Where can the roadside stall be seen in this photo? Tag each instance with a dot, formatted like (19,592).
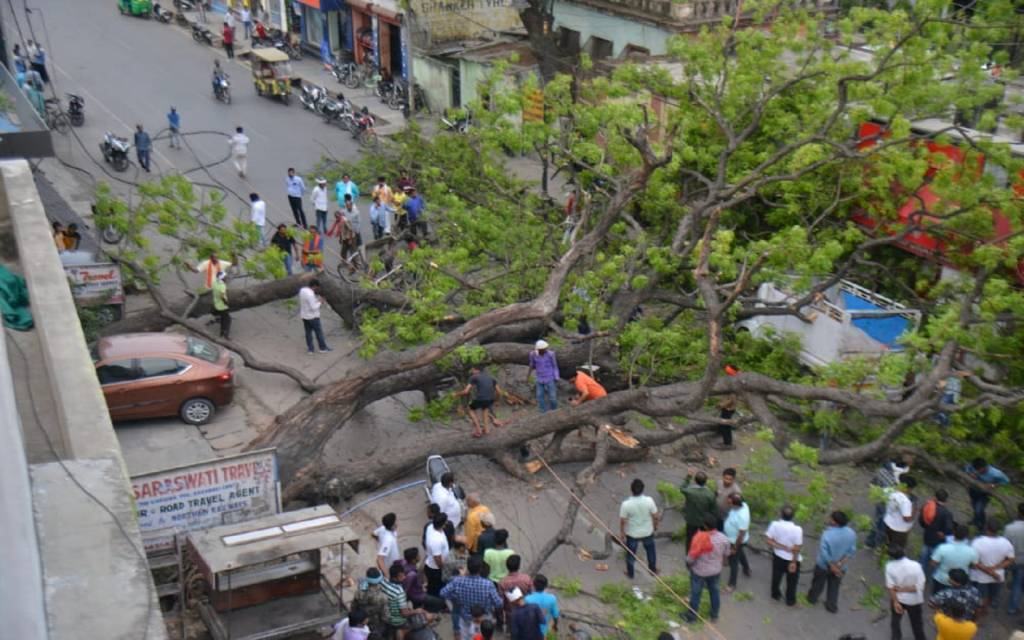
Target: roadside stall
(266,578)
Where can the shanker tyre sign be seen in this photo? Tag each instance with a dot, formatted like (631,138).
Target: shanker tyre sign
(203,495)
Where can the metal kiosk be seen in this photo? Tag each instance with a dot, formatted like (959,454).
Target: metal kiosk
(263,578)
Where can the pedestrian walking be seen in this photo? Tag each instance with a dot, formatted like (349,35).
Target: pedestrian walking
(960,590)
(955,554)
(988,476)
(723,491)
(1014,532)
(485,391)
(443,495)
(904,579)
(310,302)
(174,127)
(545,364)
(258,215)
(227,38)
(345,187)
(887,477)
(284,241)
(220,305)
(246,22)
(706,558)
(988,573)
(437,546)
(296,187)
(319,198)
(785,537)
(737,530)
(239,144)
(468,591)
(937,521)
(526,620)
(638,521)
(835,550)
(700,501)
(899,511)
(143,145)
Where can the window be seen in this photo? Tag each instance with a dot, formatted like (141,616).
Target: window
(202,349)
(153,367)
(599,48)
(568,40)
(121,371)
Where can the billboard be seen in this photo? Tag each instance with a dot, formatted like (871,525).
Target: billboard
(207,494)
(95,283)
(448,20)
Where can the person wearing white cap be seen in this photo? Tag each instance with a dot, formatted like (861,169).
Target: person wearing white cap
(543,361)
(319,197)
(526,620)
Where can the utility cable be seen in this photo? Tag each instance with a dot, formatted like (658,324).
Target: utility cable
(714,629)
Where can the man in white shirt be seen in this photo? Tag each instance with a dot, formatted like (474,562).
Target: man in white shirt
(229,19)
(436,543)
(387,542)
(319,197)
(995,553)
(443,495)
(210,269)
(638,520)
(904,578)
(1014,532)
(309,310)
(785,538)
(239,144)
(246,22)
(899,511)
(258,215)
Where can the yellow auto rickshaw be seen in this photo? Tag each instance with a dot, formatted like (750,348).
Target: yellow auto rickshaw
(271,73)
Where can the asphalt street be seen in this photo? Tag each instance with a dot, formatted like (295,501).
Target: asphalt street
(132,70)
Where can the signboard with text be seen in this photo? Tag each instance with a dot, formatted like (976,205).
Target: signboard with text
(447,20)
(222,491)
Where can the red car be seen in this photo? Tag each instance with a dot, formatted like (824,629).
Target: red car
(153,375)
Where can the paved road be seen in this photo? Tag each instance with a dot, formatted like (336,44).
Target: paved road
(131,70)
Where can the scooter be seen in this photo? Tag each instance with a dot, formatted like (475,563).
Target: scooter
(202,34)
(339,112)
(115,150)
(161,14)
(222,89)
(76,109)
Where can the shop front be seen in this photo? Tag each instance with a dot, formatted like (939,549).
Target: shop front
(324,25)
(377,35)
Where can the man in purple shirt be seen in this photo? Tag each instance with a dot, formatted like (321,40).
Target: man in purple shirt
(544,363)
(413,584)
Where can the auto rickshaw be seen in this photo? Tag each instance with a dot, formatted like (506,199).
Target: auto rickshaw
(142,8)
(271,73)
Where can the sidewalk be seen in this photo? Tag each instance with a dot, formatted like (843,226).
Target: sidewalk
(309,70)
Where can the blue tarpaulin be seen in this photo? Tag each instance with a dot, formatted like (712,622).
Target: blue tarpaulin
(885,329)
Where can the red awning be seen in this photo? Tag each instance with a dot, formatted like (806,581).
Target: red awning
(311,3)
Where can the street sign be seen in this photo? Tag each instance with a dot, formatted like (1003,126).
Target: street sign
(203,495)
(95,283)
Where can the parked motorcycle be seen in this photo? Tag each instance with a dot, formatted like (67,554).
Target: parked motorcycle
(76,109)
(185,5)
(115,150)
(313,98)
(339,112)
(161,14)
(222,89)
(458,121)
(202,34)
(293,51)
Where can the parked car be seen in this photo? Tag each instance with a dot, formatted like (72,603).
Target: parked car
(153,375)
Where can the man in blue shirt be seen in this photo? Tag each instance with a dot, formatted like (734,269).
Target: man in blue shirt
(958,554)
(143,145)
(986,474)
(414,207)
(174,126)
(296,189)
(379,218)
(837,546)
(547,603)
(345,187)
(737,530)
(471,589)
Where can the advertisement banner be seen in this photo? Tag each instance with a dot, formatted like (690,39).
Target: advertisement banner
(222,491)
(95,283)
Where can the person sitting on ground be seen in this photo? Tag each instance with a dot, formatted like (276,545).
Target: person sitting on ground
(487,391)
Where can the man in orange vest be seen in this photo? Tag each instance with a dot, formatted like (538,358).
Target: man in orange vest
(313,250)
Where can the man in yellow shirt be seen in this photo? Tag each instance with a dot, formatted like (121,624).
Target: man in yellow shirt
(473,527)
(951,623)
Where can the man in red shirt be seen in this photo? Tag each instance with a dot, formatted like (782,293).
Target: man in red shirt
(589,389)
(228,38)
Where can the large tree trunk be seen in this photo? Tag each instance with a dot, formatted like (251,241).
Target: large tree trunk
(341,297)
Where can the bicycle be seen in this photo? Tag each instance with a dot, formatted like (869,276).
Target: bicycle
(56,118)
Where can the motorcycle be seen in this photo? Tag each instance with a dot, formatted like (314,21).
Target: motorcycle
(339,112)
(76,109)
(459,121)
(161,14)
(313,98)
(185,5)
(222,89)
(293,51)
(202,34)
(365,131)
(115,150)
